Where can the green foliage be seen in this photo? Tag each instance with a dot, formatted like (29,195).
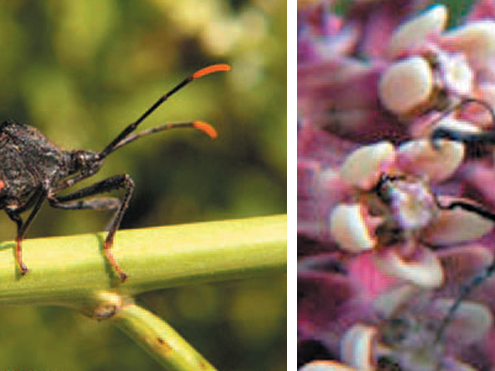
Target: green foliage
(80,71)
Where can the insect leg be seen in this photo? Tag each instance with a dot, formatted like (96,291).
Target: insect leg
(23,226)
(468,207)
(106,185)
(100,203)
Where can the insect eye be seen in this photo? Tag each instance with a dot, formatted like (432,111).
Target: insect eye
(384,187)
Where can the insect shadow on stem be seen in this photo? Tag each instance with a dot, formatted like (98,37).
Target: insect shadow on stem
(35,169)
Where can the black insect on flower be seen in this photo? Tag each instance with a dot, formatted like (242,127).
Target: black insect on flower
(34,170)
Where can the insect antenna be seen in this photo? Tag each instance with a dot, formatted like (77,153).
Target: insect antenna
(473,282)
(462,136)
(200,125)
(467,138)
(466,290)
(124,137)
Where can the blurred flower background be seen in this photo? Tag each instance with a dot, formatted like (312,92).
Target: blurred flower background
(80,71)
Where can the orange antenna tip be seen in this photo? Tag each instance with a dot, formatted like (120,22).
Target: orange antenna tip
(210,69)
(205,127)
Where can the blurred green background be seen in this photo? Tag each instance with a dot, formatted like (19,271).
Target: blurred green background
(80,71)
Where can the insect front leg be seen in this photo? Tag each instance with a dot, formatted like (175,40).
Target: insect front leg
(22,227)
(70,201)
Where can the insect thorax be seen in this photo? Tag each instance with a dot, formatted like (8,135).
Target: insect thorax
(28,160)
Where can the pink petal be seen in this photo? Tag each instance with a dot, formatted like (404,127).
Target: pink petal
(470,323)
(455,226)
(325,301)
(423,270)
(463,262)
(357,347)
(326,366)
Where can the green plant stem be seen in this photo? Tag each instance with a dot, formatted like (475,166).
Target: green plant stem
(159,340)
(72,271)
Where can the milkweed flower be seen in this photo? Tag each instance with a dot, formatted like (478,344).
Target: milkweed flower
(393,77)
(400,324)
(346,101)
(396,216)
(373,83)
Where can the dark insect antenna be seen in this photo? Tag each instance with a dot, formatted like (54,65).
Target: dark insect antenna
(123,138)
(34,170)
(462,136)
(466,290)
(469,139)
(473,282)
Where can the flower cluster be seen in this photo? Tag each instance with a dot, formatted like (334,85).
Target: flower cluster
(380,239)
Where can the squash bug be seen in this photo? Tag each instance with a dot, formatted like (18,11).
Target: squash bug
(35,169)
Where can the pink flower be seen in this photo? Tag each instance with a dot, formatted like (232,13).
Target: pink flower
(392,212)
(373,76)
(373,192)
(401,325)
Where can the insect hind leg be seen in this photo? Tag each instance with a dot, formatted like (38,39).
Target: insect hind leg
(22,226)
(72,202)
(100,203)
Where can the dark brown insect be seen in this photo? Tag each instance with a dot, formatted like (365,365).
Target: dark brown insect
(34,170)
